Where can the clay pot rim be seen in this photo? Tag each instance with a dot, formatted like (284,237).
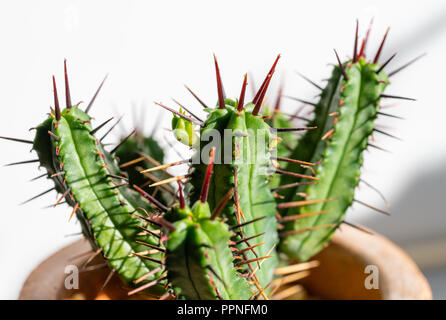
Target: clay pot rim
(400,278)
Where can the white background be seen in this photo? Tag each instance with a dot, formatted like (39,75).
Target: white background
(151,48)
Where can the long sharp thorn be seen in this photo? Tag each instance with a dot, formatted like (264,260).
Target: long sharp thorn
(151,246)
(55,137)
(158,221)
(341,67)
(396,97)
(37,196)
(131,162)
(246,223)
(148,274)
(292,185)
(294,174)
(241,100)
(21,162)
(17,140)
(301,100)
(290,278)
(146,286)
(120,185)
(251,247)
(268,76)
(372,207)
(62,197)
(387,134)
(247,239)
(91,257)
(38,177)
(196,97)
(149,232)
(294,129)
(251,260)
(148,258)
(67,86)
(215,274)
(154,162)
(181,197)
(207,177)
(390,115)
(90,104)
(56,101)
(221,94)
(298,267)
(404,66)
(387,203)
(222,204)
(165,181)
(190,112)
(358,227)
(100,126)
(110,130)
(51,206)
(164,166)
(158,204)
(294,161)
(386,63)
(259,102)
(180,114)
(117,177)
(260,264)
(377,147)
(123,140)
(355,47)
(107,280)
(76,206)
(286,205)
(378,53)
(309,80)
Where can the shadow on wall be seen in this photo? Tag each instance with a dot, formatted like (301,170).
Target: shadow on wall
(419,214)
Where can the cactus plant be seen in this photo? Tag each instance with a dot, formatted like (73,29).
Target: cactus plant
(245,165)
(223,238)
(88,178)
(345,119)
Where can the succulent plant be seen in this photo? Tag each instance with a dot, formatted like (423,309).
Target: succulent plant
(88,178)
(253,189)
(344,118)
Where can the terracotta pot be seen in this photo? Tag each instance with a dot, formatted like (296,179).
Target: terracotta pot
(341,274)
